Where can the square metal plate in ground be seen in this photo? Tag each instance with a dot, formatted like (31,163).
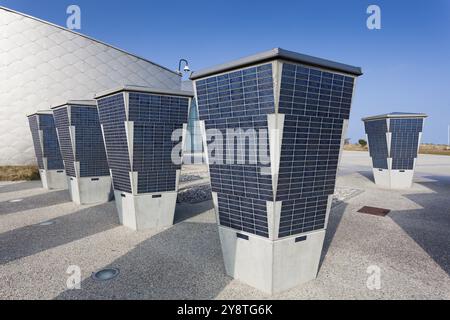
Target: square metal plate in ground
(374,211)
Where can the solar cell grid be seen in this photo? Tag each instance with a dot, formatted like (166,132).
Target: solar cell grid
(314,102)
(34,127)
(62,124)
(376,131)
(112,116)
(50,143)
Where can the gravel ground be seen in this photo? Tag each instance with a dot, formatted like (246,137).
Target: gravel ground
(410,246)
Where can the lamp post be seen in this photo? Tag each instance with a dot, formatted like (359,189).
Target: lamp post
(186,67)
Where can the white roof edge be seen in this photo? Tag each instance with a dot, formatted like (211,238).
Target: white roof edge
(89,38)
(86,103)
(40,112)
(274,54)
(393,115)
(144,90)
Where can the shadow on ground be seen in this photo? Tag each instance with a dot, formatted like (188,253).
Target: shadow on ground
(429,227)
(368,175)
(47,199)
(185,211)
(333,224)
(183,262)
(20,186)
(29,240)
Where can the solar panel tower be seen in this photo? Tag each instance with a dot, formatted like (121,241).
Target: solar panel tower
(394,141)
(83,151)
(272,213)
(46,147)
(140,127)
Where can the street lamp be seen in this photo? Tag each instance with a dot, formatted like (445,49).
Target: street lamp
(186,67)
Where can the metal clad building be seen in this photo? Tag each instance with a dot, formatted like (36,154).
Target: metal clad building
(43,64)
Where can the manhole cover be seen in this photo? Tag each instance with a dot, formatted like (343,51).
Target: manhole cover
(374,211)
(105,274)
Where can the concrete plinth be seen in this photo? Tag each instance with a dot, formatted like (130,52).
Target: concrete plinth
(146,211)
(90,190)
(53,179)
(393,179)
(271,266)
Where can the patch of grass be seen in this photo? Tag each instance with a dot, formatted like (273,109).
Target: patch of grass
(426,148)
(437,149)
(355,147)
(19,173)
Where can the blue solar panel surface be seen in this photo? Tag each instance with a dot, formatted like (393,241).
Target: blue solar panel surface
(376,133)
(62,124)
(155,118)
(34,127)
(315,104)
(404,142)
(112,116)
(89,147)
(50,145)
(240,99)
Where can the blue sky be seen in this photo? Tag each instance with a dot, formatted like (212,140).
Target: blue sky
(406,64)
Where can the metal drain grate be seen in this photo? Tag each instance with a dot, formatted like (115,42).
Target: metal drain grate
(374,211)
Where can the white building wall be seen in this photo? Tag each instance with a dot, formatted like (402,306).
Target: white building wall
(42,64)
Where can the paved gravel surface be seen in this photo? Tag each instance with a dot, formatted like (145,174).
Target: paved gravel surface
(410,246)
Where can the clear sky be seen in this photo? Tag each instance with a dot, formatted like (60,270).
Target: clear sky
(406,64)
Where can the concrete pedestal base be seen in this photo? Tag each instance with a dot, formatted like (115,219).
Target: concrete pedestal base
(271,266)
(53,179)
(148,211)
(90,190)
(393,179)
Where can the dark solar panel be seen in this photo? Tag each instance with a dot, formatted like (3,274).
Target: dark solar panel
(112,116)
(62,125)
(404,142)
(50,146)
(89,147)
(240,99)
(34,127)
(155,118)
(376,132)
(315,104)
